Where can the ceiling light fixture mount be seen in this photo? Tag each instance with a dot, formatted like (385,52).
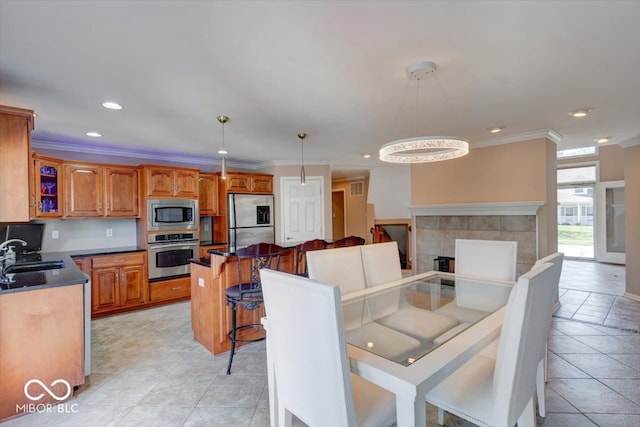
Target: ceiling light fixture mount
(223,161)
(112,105)
(427,148)
(303,176)
(581,112)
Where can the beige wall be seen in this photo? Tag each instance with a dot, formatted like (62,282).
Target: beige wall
(501,173)
(522,171)
(310,170)
(632,219)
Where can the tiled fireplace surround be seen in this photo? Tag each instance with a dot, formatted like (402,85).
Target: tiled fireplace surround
(437,228)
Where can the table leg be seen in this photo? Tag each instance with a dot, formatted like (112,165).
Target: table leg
(411,411)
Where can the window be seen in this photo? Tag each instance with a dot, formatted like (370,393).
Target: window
(568,211)
(586,210)
(577,152)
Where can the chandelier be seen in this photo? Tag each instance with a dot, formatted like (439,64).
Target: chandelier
(424,148)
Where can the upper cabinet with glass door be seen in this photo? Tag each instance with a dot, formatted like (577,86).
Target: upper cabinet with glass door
(47,188)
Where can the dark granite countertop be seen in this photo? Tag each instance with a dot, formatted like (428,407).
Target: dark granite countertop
(70,274)
(103,251)
(206,260)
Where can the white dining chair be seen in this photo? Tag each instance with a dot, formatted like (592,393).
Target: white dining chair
(500,392)
(307,348)
(486,259)
(381,263)
(343,267)
(556,259)
(480,259)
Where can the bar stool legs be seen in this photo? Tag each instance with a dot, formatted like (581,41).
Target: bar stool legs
(232,335)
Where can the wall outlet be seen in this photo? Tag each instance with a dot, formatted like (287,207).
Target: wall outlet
(55,234)
(109,232)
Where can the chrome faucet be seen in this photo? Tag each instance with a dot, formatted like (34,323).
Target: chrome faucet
(9,254)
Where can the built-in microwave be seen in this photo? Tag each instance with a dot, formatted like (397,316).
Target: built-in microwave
(172,214)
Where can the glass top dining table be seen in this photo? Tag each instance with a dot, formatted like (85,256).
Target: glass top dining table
(409,335)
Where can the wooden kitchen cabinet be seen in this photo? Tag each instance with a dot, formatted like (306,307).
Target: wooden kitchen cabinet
(122,191)
(41,337)
(170,290)
(262,184)
(16,197)
(171,182)
(83,186)
(96,190)
(118,281)
(239,182)
(47,187)
(208,191)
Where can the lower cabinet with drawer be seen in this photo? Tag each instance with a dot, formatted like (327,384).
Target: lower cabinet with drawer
(172,289)
(118,282)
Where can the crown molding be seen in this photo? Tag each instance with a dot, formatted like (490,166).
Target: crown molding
(629,142)
(549,134)
(141,155)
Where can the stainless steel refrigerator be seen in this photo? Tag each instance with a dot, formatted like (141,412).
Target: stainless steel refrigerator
(250,219)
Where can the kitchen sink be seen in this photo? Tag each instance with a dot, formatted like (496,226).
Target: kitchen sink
(31,266)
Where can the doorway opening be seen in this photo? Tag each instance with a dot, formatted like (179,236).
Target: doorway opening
(338,214)
(400,233)
(576,187)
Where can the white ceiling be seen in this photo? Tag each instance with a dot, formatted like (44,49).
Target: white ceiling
(333,69)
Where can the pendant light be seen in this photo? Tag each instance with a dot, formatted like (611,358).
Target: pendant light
(424,148)
(222,151)
(303,177)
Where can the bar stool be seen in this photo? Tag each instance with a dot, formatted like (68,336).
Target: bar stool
(301,254)
(248,292)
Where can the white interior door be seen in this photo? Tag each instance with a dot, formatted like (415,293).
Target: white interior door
(302,209)
(610,246)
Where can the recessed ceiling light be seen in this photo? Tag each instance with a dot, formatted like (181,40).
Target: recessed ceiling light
(602,139)
(366,156)
(495,129)
(582,112)
(94,134)
(222,151)
(112,105)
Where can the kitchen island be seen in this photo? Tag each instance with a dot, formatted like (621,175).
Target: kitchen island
(210,316)
(41,337)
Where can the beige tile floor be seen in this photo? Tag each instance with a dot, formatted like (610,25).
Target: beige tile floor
(147,370)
